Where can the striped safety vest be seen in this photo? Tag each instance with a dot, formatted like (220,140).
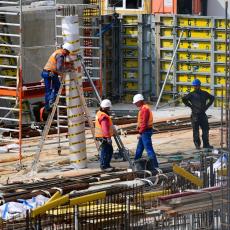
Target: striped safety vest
(51,64)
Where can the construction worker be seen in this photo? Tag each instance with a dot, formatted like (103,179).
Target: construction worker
(199,101)
(54,68)
(103,133)
(144,127)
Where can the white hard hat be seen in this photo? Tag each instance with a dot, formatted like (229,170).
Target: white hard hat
(106,103)
(138,97)
(68,46)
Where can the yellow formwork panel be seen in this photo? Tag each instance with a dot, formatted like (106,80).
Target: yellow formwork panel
(130,63)
(166,55)
(130,41)
(220,69)
(220,23)
(165,66)
(130,53)
(194,22)
(131,85)
(194,56)
(195,45)
(9,72)
(166,32)
(219,46)
(131,31)
(167,97)
(167,21)
(184,88)
(218,92)
(128,97)
(190,78)
(220,58)
(218,103)
(5,50)
(203,34)
(130,19)
(220,80)
(166,43)
(199,68)
(130,75)
(163,76)
(5,61)
(220,35)
(168,88)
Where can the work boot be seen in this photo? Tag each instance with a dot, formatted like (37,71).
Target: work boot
(208,146)
(197,146)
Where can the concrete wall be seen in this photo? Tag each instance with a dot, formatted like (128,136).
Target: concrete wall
(217,8)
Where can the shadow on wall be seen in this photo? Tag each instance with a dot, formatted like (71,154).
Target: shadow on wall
(217,8)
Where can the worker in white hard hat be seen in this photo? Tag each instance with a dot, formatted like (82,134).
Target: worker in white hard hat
(55,67)
(144,127)
(104,133)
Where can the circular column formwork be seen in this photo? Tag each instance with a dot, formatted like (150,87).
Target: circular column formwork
(75,112)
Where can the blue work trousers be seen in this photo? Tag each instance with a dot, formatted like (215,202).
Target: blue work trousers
(52,85)
(145,142)
(106,152)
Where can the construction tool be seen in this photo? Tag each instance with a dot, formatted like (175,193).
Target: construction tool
(123,151)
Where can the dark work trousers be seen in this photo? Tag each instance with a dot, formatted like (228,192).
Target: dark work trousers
(106,152)
(52,85)
(200,120)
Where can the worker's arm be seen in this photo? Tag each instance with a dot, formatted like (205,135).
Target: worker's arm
(63,66)
(210,99)
(145,113)
(186,100)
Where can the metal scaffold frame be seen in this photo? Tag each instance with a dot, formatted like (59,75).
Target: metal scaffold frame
(19,92)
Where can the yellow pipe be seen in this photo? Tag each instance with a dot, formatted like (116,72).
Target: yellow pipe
(222,172)
(50,205)
(55,196)
(187,175)
(155,194)
(87,198)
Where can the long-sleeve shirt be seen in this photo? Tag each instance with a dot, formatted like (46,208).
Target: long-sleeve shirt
(144,117)
(199,101)
(60,63)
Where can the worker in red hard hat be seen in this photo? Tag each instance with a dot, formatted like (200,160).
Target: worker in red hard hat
(144,127)
(55,67)
(199,101)
(104,133)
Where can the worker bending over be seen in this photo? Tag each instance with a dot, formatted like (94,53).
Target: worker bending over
(54,68)
(144,127)
(103,133)
(199,101)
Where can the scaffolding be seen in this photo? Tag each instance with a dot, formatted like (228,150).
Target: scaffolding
(15,93)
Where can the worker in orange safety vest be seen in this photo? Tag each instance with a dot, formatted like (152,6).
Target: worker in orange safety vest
(104,133)
(144,127)
(55,67)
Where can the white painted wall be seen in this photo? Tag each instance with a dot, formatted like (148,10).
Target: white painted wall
(217,8)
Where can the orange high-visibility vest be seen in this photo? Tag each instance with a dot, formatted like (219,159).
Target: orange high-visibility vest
(139,119)
(51,64)
(98,127)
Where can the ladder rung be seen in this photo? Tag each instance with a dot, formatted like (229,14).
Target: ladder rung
(63,117)
(8,119)
(96,58)
(8,55)
(63,126)
(10,35)
(9,24)
(8,98)
(91,68)
(89,27)
(9,13)
(9,108)
(9,66)
(93,78)
(83,37)
(8,77)
(8,129)
(89,47)
(9,3)
(10,45)
(62,106)
(7,87)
